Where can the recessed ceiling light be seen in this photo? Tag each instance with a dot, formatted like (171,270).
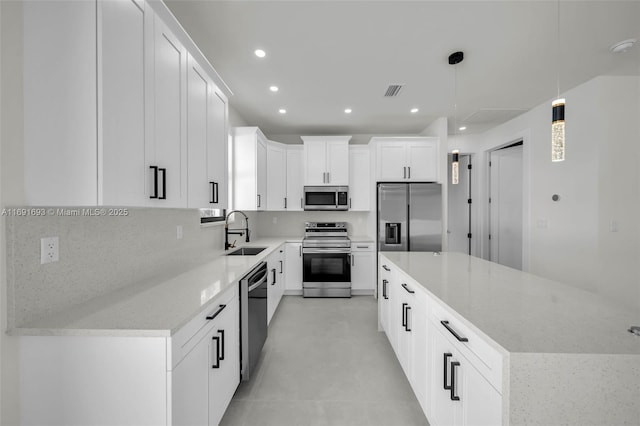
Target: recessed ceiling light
(623,46)
(461,128)
(347,111)
(260,53)
(414,110)
(282,111)
(274,88)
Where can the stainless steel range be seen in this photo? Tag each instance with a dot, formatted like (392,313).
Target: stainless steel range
(326,260)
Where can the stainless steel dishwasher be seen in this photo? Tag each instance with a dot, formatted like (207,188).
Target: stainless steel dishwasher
(253,318)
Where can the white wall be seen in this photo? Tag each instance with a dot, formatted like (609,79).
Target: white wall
(570,240)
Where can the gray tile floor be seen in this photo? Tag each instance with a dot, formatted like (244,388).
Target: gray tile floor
(325,363)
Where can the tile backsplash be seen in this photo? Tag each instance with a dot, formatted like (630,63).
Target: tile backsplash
(100,254)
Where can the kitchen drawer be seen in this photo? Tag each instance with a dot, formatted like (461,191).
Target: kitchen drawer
(408,285)
(486,359)
(188,336)
(363,246)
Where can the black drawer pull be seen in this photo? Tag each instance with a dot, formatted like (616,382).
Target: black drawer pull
(407,288)
(384,289)
(221,332)
(452,331)
(445,363)
(386,268)
(407,315)
(454,397)
(273,271)
(155,181)
(216,313)
(217,363)
(164,184)
(214,193)
(404,317)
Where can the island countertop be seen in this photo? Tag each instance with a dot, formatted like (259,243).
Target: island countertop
(157,307)
(519,311)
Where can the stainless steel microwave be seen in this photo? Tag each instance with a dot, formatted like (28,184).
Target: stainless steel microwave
(326,198)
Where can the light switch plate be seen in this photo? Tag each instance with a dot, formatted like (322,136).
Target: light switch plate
(49,250)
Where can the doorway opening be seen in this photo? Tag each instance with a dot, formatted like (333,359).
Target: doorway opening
(506,205)
(459,207)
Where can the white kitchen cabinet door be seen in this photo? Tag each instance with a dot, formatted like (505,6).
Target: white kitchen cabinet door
(419,355)
(363,267)
(60,77)
(442,409)
(262,174)
(422,161)
(481,402)
(198,86)
(359,178)
(224,368)
(295,178)
(276,176)
(121,102)
(217,150)
(390,162)
(190,385)
(293,264)
(338,162)
(249,169)
(384,299)
(281,274)
(169,139)
(315,163)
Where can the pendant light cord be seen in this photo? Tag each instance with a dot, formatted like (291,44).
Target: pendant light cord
(455,102)
(558,49)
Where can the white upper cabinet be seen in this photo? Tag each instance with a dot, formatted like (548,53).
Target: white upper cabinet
(295,176)
(60,77)
(206,140)
(167,152)
(326,160)
(121,107)
(407,159)
(276,176)
(249,169)
(107,123)
(359,178)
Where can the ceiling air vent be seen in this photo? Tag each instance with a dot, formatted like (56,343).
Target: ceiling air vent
(393,90)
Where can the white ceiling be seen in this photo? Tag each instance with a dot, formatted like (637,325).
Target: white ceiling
(326,56)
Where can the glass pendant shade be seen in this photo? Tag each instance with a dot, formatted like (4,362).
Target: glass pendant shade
(455,176)
(557,130)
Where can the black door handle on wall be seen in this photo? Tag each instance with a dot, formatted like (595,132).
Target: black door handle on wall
(164,183)
(155,181)
(217,362)
(454,397)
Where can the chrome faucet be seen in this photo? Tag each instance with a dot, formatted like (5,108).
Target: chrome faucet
(238,231)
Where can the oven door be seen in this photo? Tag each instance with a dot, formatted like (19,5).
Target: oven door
(326,267)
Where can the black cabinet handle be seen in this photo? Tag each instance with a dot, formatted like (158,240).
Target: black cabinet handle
(258,200)
(404,316)
(222,338)
(454,397)
(386,268)
(217,362)
(216,313)
(407,315)
(285,202)
(214,193)
(384,289)
(274,276)
(300,250)
(280,265)
(445,374)
(155,181)
(353,260)
(409,171)
(164,183)
(452,331)
(407,288)
(349,203)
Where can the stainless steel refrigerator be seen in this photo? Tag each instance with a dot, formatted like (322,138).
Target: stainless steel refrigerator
(409,217)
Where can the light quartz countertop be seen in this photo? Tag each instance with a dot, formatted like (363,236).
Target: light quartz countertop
(157,307)
(519,311)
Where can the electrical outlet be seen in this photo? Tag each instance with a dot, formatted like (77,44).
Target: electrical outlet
(49,250)
(179,233)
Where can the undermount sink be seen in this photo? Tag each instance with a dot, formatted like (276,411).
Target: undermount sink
(246,251)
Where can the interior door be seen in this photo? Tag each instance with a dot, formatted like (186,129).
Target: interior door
(505,207)
(459,223)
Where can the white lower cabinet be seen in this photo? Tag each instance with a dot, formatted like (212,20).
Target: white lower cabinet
(460,395)
(384,299)
(275,280)
(363,267)
(293,266)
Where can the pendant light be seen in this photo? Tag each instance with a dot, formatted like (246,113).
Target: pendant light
(557,109)
(454,59)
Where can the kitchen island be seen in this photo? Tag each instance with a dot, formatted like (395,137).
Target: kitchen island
(553,354)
